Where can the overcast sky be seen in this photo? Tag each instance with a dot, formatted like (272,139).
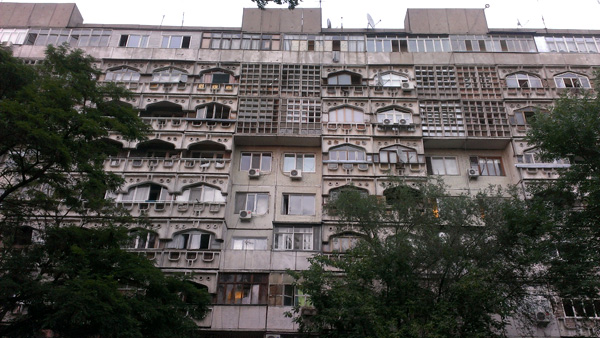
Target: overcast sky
(575,14)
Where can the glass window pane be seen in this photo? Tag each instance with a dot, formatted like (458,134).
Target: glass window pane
(289,162)
(451,166)
(437,165)
(309,163)
(262,204)
(266,162)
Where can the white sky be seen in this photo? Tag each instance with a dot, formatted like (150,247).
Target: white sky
(563,14)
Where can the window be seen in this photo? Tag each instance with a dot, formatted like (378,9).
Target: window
(147,193)
(571,80)
(442,165)
(391,80)
(213,111)
(143,240)
(260,161)
(16,36)
(242,289)
(393,116)
(123,74)
(169,75)
(487,166)
(257,203)
(532,156)
(299,238)
(287,295)
(522,118)
(346,115)
(334,194)
(398,154)
(217,78)
(191,240)
(523,80)
(347,153)
(343,243)
(175,41)
(304,162)
(344,79)
(202,193)
(132,40)
(581,307)
(249,243)
(297,204)
(74,37)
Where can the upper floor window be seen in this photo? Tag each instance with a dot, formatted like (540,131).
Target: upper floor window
(568,44)
(346,115)
(249,243)
(298,204)
(243,289)
(522,118)
(217,77)
(532,156)
(347,153)
(394,116)
(202,193)
(123,74)
(299,238)
(391,80)
(442,165)
(259,161)
(343,243)
(398,154)
(304,162)
(143,240)
(16,36)
(74,37)
(190,240)
(175,41)
(213,111)
(487,165)
(255,202)
(133,40)
(344,79)
(334,194)
(147,193)
(523,80)
(571,80)
(169,75)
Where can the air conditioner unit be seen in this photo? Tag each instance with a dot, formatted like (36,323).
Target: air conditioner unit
(254,173)
(403,122)
(407,86)
(542,317)
(387,121)
(473,173)
(296,174)
(270,335)
(308,311)
(245,214)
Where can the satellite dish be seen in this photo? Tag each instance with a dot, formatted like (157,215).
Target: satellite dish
(370,21)
(328,23)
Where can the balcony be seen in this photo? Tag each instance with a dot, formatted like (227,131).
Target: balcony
(168,165)
(346,129)
(182,259)
(174,209)
(344,91)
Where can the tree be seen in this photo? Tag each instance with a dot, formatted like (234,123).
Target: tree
(425,265)
(55,121)
(571,130)
(291,3)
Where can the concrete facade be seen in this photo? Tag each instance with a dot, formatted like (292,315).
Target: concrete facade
(256,127)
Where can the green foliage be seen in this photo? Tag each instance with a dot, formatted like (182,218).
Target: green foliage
(291,3)
(55,120)
(426,265)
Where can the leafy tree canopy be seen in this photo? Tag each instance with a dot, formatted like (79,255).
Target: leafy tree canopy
(291,3)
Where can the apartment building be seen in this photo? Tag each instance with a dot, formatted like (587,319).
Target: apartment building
(255,127)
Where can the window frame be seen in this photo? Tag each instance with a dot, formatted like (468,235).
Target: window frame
(169,75)
(243,289)
(118,75)
(151,192)
(299,162)
(205,191)
(296,238)
(263,165)
(244,243)
(307,204)
(523,81)
(126,41)
(574,81)
(170,41)
(150,241)
(431,170)
(188,241)
(395,116)
(359,154)
(252,201)
(340,115)
(483,166)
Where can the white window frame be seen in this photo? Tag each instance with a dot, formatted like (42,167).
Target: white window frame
(191,240)
(298,204)
(391,80)
(343,243)
(399,154)
(485,163)
(144,240)
(169,75)
(170,41)
(141,193)
(210,110)
(261,164)
(295,238)
(203,194)
(249,243)
(134,41)
(123,74)
(449,165)
(523,80)
(343,154)
(255,202)
(395,116)
(571,80)
(346,115)
(296,161)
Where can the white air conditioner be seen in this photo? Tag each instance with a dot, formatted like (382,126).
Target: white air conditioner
(407,86)
(296,174)
(473,173)
(387,121)
(270,335)
(403,122)
(254,173)
(542,317)
(245,214)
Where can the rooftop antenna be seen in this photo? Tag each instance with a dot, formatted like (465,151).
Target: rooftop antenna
(328,23)
(163,19)
(341,22)
(182,18)
(371,22)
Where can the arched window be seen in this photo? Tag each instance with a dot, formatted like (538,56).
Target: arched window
(213,111)
(344,79)
(394,116)
(347,153)
(201,193)
(398,154)
(571,80)
(334,194)
(391,80)
(169,75)
(346,115)
(523,80)
(343,243)
(141,239)
(123,74)
(149,192)
(191,240)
